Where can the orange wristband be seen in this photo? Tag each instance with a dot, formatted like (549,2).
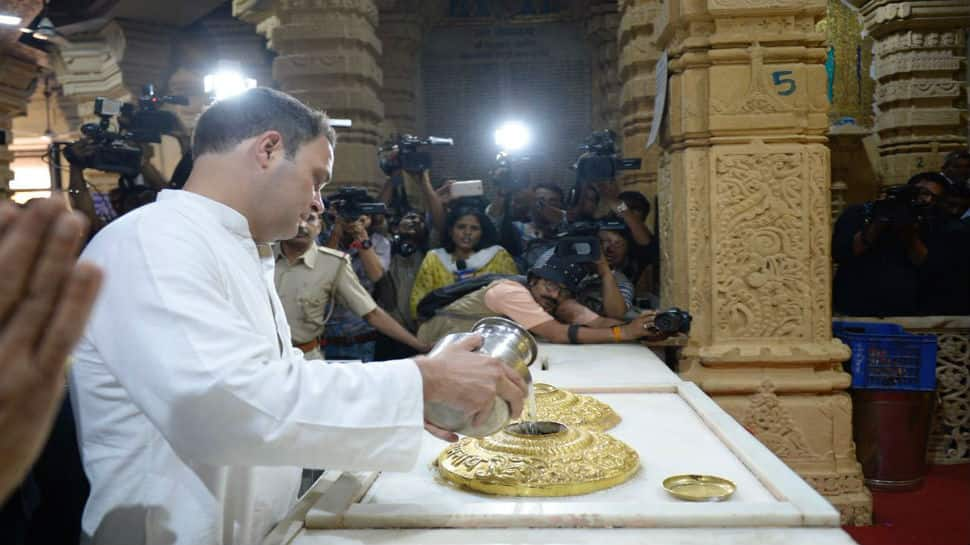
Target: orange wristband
(617,333)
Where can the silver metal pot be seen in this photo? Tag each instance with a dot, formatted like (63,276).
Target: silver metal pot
(502,339)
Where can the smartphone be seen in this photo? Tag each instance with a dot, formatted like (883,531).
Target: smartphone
(467,188)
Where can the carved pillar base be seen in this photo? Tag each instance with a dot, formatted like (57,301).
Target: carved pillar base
(802,430)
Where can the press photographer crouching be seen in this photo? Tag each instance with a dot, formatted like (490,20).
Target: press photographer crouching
(898,256)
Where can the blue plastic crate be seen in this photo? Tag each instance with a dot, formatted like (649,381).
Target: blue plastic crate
(867,328)
(891,361)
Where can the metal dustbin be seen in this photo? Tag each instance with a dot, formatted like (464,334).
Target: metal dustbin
(891,429)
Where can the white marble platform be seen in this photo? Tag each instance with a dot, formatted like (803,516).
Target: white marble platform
(597,368)
(675,428)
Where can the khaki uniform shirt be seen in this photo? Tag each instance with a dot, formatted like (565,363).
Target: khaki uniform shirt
(305,288)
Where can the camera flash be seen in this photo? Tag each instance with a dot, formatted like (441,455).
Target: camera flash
(512,136)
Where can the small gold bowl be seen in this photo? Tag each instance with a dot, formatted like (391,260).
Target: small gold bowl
(699,487)
(539,459)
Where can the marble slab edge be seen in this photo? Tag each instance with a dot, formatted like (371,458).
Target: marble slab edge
(571,536)
(556,515)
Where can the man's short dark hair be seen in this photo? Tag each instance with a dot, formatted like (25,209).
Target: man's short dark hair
(230,121)
(934,177)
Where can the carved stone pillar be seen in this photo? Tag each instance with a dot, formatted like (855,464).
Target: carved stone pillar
(401,35)
(327,56)
(920,49)
(745,229)
(602,27)
(638,56)
(18,77)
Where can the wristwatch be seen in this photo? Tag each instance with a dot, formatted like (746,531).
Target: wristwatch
(365,244)
(620,208)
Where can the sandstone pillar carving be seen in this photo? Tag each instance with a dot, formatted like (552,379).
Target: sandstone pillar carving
(638,54)
(18,77)
(745,229)
(114,61)
(602,27)
(920,62)
(328,56)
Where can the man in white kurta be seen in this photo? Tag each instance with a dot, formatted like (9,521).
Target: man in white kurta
(195,414)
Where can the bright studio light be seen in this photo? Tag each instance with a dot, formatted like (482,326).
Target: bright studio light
(226,83)
(512,136)
(10,20)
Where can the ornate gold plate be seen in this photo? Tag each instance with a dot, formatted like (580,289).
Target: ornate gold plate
(553,460)
(573,410)
(699,487)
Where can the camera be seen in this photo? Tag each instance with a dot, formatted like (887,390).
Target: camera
(673,321)
(119,151)
(599,162)
(147,123)
(351,203)
(899,206)
(579,243)
(403,153)
(509,170)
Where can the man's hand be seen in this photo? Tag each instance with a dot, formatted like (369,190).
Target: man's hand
(468,381)
(45,299)
(642,327)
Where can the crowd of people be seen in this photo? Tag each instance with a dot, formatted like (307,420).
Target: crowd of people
(197,385)
(248,328)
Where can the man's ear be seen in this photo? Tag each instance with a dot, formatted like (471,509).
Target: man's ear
(269,146)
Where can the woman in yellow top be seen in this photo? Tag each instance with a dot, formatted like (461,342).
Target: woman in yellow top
(469,249)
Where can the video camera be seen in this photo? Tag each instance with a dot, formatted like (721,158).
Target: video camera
(403,153)
(599,162)
(508,171)
(579,243)
(351,203)
(118,151)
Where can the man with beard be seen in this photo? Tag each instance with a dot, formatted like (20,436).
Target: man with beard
(544,304)
(309,278)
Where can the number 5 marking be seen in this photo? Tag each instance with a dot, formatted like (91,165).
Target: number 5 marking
(778,79)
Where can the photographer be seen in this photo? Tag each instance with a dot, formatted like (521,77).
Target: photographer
(886,248)
(544,304)
(609,292)
(348,336)
(409,243)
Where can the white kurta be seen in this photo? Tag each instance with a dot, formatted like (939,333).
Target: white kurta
(194,412)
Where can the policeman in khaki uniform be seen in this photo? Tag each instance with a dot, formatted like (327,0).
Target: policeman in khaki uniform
(308,277)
